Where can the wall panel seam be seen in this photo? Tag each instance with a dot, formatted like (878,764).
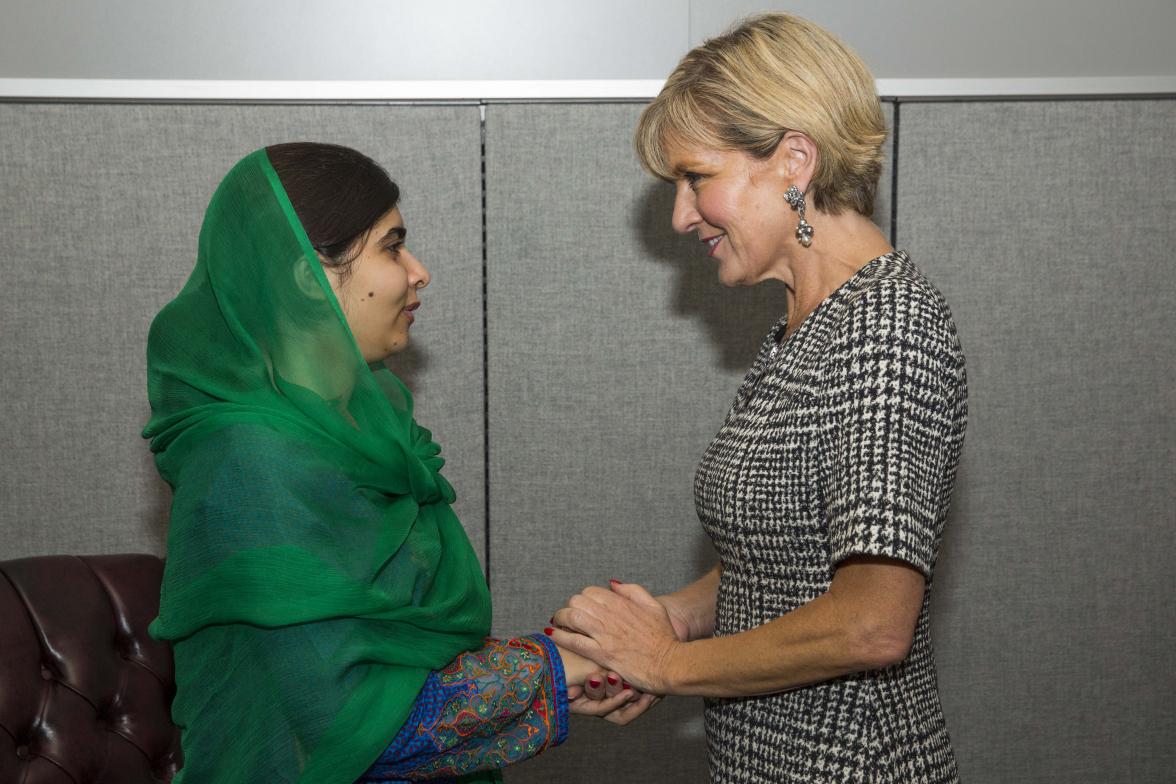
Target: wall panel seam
(894,178)
(485,354)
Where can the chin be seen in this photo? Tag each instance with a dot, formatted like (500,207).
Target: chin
(398,344)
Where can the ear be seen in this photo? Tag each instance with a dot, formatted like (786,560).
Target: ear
(795,159)
(305,280)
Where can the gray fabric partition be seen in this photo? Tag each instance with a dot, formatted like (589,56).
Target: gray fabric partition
(101,207)
(1049,226)
(614,354)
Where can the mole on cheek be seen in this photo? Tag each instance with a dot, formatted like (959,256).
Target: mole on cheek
(371,294)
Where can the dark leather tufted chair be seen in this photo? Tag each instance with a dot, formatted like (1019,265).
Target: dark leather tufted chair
(85,694)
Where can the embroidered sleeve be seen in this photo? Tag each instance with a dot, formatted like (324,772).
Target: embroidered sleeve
(493,707)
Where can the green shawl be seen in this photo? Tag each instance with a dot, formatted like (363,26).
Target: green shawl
(315,570)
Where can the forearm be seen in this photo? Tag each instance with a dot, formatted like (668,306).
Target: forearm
(490,708)
(803,647)
(694,604)
(864,622)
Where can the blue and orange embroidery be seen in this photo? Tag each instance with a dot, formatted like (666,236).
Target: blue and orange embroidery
(489,708)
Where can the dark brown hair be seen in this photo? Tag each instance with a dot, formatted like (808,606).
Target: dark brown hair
(338,193)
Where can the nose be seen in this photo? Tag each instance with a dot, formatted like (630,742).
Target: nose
(418,276)
(685,217)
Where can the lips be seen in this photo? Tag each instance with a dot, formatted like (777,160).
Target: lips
(409,309)
(712,243)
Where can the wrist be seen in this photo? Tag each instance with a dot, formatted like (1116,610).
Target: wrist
(672,669)
(684,627)
(576,668)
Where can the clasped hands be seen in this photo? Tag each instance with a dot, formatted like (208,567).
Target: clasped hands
(618,645)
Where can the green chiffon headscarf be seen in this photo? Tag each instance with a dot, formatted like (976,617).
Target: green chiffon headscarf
(315,571)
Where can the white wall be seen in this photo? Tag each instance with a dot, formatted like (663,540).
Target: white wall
(562,39)
(931,39)
(342,39)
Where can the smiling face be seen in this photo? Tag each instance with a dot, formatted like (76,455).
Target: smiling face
(735,204)
(378,293)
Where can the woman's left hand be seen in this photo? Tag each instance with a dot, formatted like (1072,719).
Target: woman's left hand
(624,629)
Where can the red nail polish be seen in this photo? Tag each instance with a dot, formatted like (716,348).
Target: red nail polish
(612,679)
(616,582)
(626,686)
(548,631)
(594,683)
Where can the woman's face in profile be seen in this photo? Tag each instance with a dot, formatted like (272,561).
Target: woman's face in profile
(735,204)
(378,294)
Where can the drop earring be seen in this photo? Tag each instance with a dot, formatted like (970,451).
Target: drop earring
(804,230)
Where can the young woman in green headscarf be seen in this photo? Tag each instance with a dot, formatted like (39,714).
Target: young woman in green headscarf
(327,612)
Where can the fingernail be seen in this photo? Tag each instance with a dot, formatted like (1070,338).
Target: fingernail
(626,686)
(612,680)
(594,683)
(616,582)
(548,631)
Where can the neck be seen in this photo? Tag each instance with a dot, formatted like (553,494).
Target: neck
(842,245)
(310,367)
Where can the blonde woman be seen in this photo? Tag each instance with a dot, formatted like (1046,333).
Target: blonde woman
(826,489)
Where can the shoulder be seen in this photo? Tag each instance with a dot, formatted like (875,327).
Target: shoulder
(897,297)
(893,333)
(896,306)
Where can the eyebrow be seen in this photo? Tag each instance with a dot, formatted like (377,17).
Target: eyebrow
(395,233)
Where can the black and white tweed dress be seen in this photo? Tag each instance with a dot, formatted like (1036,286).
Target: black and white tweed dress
(843,440)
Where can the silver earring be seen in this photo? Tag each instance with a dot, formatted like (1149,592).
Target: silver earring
(804,230)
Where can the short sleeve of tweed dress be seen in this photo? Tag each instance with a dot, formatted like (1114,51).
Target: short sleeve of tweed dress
(889,392)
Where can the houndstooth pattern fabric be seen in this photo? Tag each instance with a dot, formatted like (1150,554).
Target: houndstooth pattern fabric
(842,440)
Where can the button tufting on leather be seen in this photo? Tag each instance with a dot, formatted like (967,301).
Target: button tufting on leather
(61,618)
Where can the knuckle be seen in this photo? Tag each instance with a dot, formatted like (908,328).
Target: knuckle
(597,594)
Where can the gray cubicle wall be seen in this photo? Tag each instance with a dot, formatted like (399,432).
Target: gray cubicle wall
(100,207)
(1051,227)
(612,354)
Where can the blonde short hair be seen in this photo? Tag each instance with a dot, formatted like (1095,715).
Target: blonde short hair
(771,74)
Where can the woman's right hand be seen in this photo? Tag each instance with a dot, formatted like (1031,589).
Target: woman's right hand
(627,709)
(598,685)
(596,692)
